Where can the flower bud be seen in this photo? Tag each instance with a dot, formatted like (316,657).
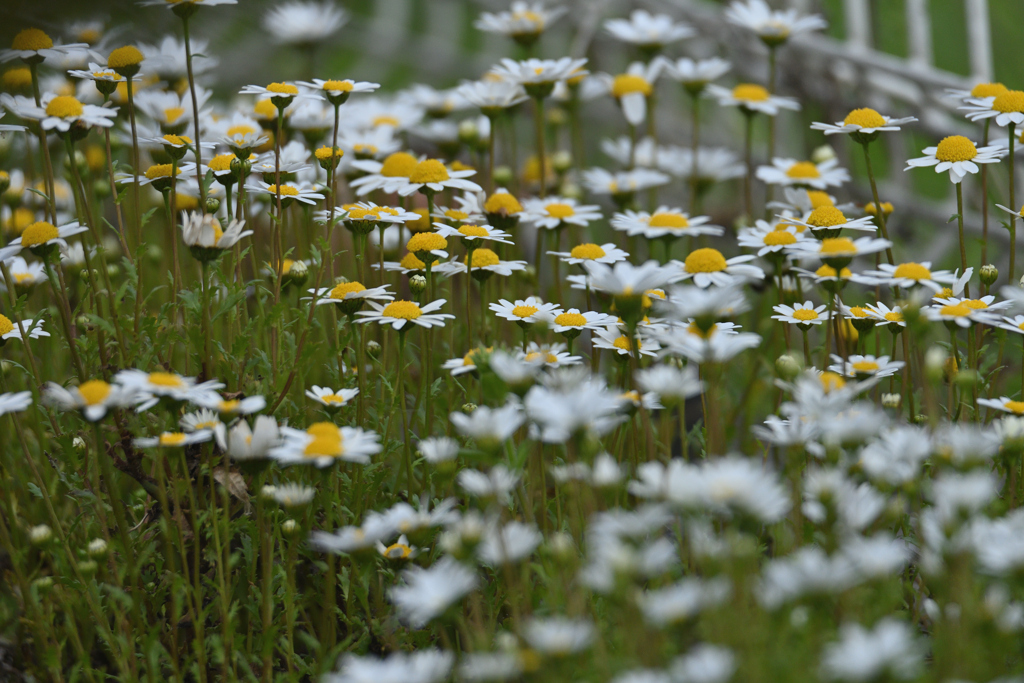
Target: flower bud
(43,584)
(989,274)
(468,408)
(212,205)
(469,132)
(78,443)
(290,527)
(101,188)
(417,284)
(267,492)
(788,366)
(373,349)
(561,161)
(154,254)
(891,401)
(40,535)
(88,568)
(502,176)
(935,363)
(97,549)
(561,546)
(967,378)
(822,154)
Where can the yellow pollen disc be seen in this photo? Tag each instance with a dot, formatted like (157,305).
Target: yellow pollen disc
(398,165)
(19,78)
(826,217)
(385,120)
(831,381)
(128,55)
(406,310)
(107,74)
(38,233)
(177,140)
(31,39)
(324,446)
(6,326)
(285,191)
(705,260)
(696,331)
(502,202)
(865,366)
(570,320)
(426,241)
(282,89)
(805,314)
(21,219)
(484,257)
(669,220)
(627,84)
(397,551)
(64,107)
(777,238)
(819,199)
(524,311)
(456,215)
(887,208)
(468,358)
(333,398)
(988,90)
(228,406)
(359,213)
(957,311)
(286,266)
(265,109)
(587,252)
(94,391)
(623,343)
(1015,406)
(325,152)
(803,169)
(165,379)
(172,439)
(956,148)
(858,312)
(838,245)
(240,130)
(344,288)
(750,92)
(364,149)
(894,317)
(527,15)
(865,118)
(172,114)
(828,271)
(974,304)
(560,210)
(473,231)
(338,86)
(159,171)
(912,271)
(429,171)
(1011,101)
(656,293)
(411,262)
(322,429)
(221,162)
(944,293)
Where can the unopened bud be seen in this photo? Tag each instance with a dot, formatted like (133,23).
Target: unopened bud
(468,407)
(561,161)
(40,535)
(891,401)
(989,274)
(561,546)
(154,254)
(417,284)
(290,527)
(101,188)
(78,443)
(88,568)
(43,584)
(469,132)
(267,492)
(788,366)
(97,548)
(373,349)
(212,205)
(502,176)
(822,154)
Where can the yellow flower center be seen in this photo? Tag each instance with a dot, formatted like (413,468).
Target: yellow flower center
(31,39)
(338,86)
(344,288)
(406,310)
(777,238)
(38,233)
(570,320)
(819,198)
(325,444)
(473,231)
(412,262)
(94,391)
(333,399)
(803,169)
(172,439)
(398,165)
(524,311)
(385,120)
(19,78)
(527,15)
(894,316)
(826,217)
(912,271)
(128,55)
(6,326)
(955,311)
(623,343)
(546,356)
(159,171)
(828,271)
(502,202)
(865,118)
(865,366)
(64,107)
(887,208)
(974,304)
(362,148)
(325,152)
(426,241)
(838,245)
(285,190)
(858,312)
(805,314)
(750,92)
(397,551)
(484,257)
(429,171)
(705,260)
(988,90)
(587,251)
(229,406)
(456,215)
(956,148)
(107,74)
(283,89)
(265,109)
(1015,406)
(177,140)
(626,84)
(165,379)
(831,381)
(221,162)
(560,210)
(1011,101)
(240,130)
(669,220)
(286,266)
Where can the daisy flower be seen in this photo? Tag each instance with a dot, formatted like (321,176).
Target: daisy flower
(695,74)
(622,184)
(958,155)
(550,355)
(234,406)
(836,250)
(159,175)
(805,314)
(201,420)
(149,387)
(242,135)
(582,253)
(281,94)
(649,32)
(632,89)
(709,166)
(15,402)
(61,112)
(572,320)
(909,275)
(805,173)
(768,239)
(523,311)
(293,496)
(93,398)
(10,127)
(398,313)
(460,366)
(555,212)
(329,398)
(204,232)
(492,97)
(1014,324)
(100,74)
(707,267)
(828,220)
(473,233)
(350,296)
(302,192)
(174,439)
(958,313)
(539,73)
(558,635)
(524,22)
(612,339)
(41,238)
(1005,107)
(23,273)
(773,27)
(485,263)
(426,594)
(246,444)
(865,366)
(671,384)
(826,274)
(752,98)
(1003,403)
(399,550)
(885,315)
(438,449)
(303,23)
(489,426)
(338,91)
(32,45)
(420,666)
(430,175)
(664,222)
(863,124)
(323,444)
(627,280)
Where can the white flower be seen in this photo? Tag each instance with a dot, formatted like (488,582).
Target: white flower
(1005,108)
(632,89)
(801,314)
(890,648)
(858,366)
(1004,404)
(32,43)
(752,98)
(13,330)
(958,155)
(696,74)
(907,275)
(525,20)
(708,267)
(245,444)
(329,398)
(149,387)
(572,402)
(539,72)
(705,663)
(204,230)
(438,449)
(281,92)
(15,402)
(93,398)
(398,313)
(555,212)
(40,235)
(625,279)
(473,233)
(622,183)
(710,165)
(323,444)
(772,26)
(498,483)
(683,600)
(897,456)
(347,292)
(664,222)
(431,175)
(302,192)
(292,495)
(303,23)
(612,339)
(862,122)
(489,425)
(492,96)
(558,635)
(490,666)
(549,355)
(173,439)
(787,172)
(669,382)
(567,321)
(769,239)
(528,310)
(509,543)
(648,30)
(428,593)
(348,539)
(419,666)
(582,253)
(841,247)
